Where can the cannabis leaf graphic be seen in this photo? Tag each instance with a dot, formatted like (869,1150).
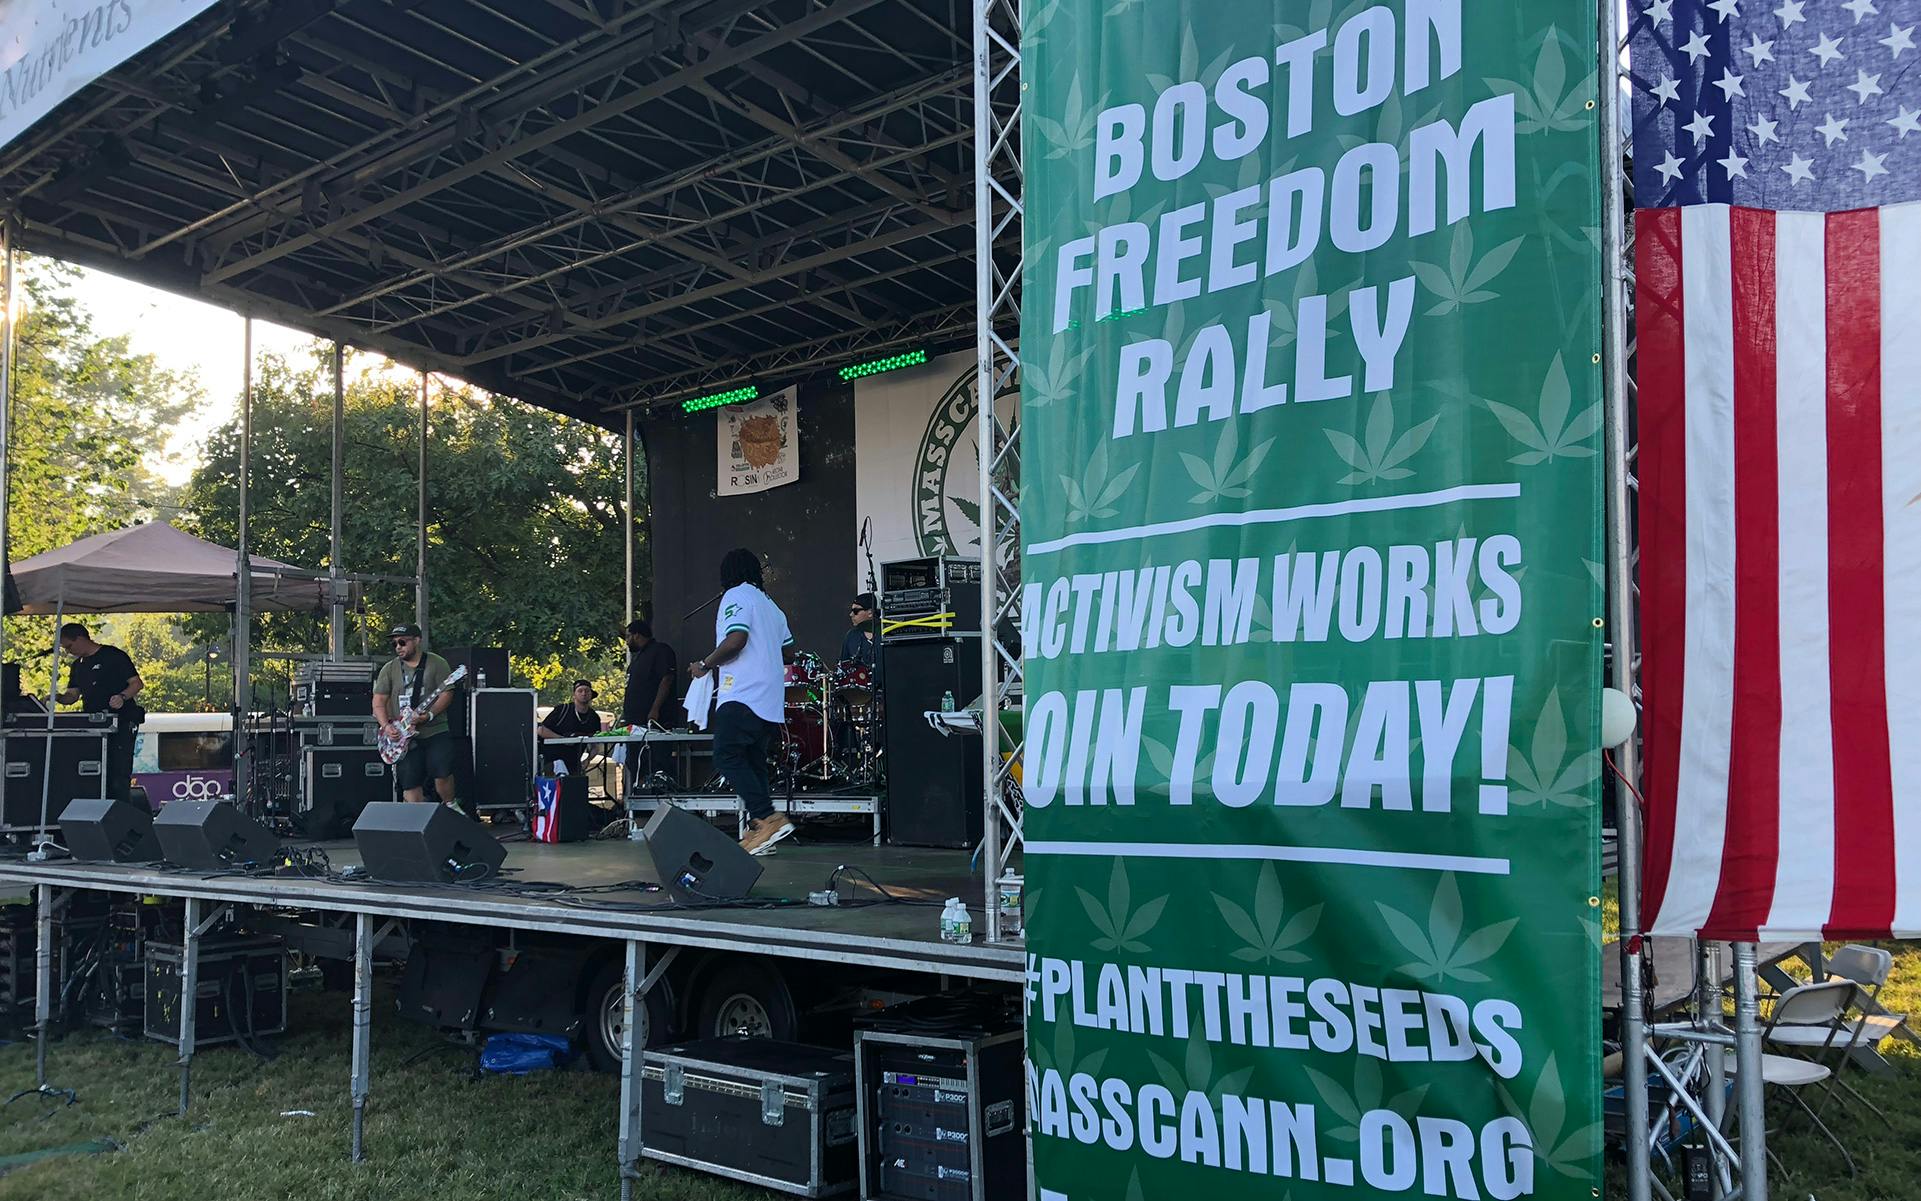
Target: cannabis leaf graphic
(1074,129)
(1550,102)
(1121,926)
(1441,953)
(1190,66)
(1320,15)
(1547,775)
(1554,435)
(1043,384)
(1368,1087)
(1197,1073)
(1163,760)
(1038,19)
(1268,941)
(1464,280)
(1546,1115)
(1095,495)
(1060,1053)
(1307,282)
(1381,456)
(1225,477)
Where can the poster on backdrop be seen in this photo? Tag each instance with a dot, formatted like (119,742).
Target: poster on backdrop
(50,49)
(758,444)
(1311,599)
(917,460)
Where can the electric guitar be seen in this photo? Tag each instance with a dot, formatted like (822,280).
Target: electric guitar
(393,747)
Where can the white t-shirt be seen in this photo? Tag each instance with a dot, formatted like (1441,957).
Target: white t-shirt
(755,677)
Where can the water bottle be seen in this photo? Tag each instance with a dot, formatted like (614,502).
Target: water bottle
(963,922)
(949,923)
(947,701)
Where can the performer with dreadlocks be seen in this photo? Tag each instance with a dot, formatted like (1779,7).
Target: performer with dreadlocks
(754,642)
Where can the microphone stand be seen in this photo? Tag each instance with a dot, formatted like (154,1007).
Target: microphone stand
(867,546)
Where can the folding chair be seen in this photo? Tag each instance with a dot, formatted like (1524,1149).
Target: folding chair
(1815,1007)
(1855,1034)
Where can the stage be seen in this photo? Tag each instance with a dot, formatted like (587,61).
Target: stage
(885,935)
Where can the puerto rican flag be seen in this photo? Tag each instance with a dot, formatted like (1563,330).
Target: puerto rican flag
(1777,170)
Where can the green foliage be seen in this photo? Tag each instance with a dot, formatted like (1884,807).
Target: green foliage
(88,415)
(523,511)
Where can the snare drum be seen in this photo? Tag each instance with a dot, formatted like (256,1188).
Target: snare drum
(803,677)
(854,681)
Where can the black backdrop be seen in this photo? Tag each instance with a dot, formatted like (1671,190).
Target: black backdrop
(805,532)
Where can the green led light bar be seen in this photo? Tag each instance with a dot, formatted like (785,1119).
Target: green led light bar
(731,396)
(911,358)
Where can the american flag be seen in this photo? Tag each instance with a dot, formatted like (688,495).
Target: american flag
(1777,170)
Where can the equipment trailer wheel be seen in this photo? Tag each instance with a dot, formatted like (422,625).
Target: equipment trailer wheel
(748,997)
(605,1017)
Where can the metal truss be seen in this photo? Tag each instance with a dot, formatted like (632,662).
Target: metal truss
(998,192)
(646,190)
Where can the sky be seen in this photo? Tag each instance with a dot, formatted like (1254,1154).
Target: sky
(196,340)
(186,336)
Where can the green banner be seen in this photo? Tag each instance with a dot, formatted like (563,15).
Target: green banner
(1312,597)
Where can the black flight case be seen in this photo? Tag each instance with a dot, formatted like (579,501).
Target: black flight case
(780,1115)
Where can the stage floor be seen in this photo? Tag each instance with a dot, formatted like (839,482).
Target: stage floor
(882,935)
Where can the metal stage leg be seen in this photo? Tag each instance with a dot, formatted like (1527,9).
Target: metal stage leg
(43,984)
(630,1056)
(363,1025)
(1749,1083)
(190,988)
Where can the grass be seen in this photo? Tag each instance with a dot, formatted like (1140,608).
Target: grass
(434,1129)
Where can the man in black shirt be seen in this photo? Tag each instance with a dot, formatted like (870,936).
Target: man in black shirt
(652,676)
(103,680)
(573,720)
(858,643)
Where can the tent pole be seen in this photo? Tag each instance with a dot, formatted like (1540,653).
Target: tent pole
(420,525)
(43,838)
(627,521)
(6,392)
(243,567)
(6,427)
(336,599)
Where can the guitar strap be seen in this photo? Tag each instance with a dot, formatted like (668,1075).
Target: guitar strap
(420,678)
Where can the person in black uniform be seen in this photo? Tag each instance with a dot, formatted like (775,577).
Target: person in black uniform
(652,677)
(103,680)
(573,720)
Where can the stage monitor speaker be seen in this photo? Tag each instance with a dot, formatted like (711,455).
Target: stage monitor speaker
(933,781)
(695,860)
(211,836)
(425,843)
(108,831)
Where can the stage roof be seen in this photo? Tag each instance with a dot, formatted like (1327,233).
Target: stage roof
(580,203)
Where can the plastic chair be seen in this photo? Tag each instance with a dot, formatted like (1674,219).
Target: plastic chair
(1812,1007)
(1868,968)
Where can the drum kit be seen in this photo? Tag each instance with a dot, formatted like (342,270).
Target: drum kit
(832,734)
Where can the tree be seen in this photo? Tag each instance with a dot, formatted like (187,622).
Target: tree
(523,514)
(87,417)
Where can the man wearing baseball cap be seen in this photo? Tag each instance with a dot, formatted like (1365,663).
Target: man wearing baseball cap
(409,677)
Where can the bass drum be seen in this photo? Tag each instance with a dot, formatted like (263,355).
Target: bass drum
(803,737)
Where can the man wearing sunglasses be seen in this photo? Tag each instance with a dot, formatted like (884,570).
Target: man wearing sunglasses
(411,675)
(858,643)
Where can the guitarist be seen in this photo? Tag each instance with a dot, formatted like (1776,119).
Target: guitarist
(414,673)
